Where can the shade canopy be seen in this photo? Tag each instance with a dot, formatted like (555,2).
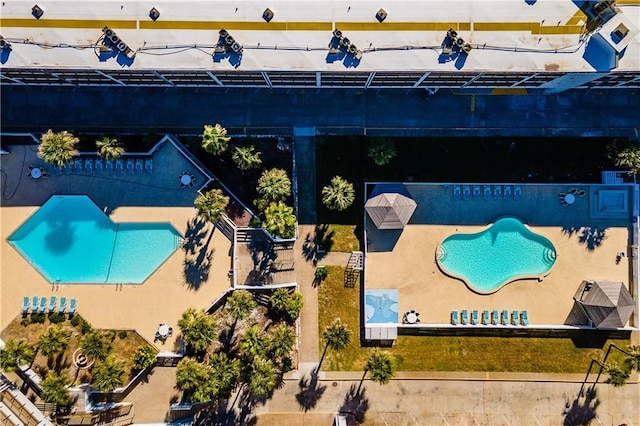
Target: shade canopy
(390,206)
(607,304)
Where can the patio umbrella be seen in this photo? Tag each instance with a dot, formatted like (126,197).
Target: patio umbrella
(390,206)
(607,304)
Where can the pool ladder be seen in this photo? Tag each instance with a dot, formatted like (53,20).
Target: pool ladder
(549,256)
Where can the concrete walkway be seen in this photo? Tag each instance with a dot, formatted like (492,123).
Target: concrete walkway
(308,355)
(305,171)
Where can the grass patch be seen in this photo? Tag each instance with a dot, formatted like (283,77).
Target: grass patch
(448,353)
(340,238)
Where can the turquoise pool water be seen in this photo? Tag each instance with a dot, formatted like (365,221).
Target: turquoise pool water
(502,253)
(70,240)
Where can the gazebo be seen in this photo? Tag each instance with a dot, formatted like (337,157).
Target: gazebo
(606,304)
(390,206)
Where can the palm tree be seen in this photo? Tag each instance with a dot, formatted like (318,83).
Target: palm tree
(382,151)
(337,336)
(198,329)
(54,341)
(282,338)
(224,374)
(339,195)
(240,304)
(14,354)
(55,388)
(629,156)
(57,148)
(618,375)
(274,185)
(109,148)
(380,366)
(215,139)
(280,220)
(108,374)
(253,343)
(263,377)
(143,357)
(633,358)
(96,345)
(190,374)
(284,302)
(211,205)
(246,157)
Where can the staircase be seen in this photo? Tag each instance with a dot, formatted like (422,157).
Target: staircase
(353,269)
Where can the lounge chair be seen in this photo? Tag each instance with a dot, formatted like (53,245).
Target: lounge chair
(138,166)
(119,167)
(170,331)
(34,303)
(474,317)
(63,305)
(507,192)
(73,306)
(67,168)
(497,192)
(148,165)
(25,304)
(487,192)
(485,317)
(517,191)
(495,317)
(464,317)
(515,318)
(43,304)
(456,192)
(505,317)
(130,166)
(466,192)
(108,164)
(476,192)
(88,166)
(98,166)
(77,166)
(52,303)
(524,319)
(454,317)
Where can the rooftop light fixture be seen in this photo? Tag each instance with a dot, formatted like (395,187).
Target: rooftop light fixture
(116,41)
(154,13)
(229,42)
(381,15)
(267,15)
(4,44)
(37,11)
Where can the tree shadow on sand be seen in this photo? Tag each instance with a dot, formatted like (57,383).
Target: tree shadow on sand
(355,404)
(197,260)
(591,237)
(194,235)
(315,246)
(582,409)
(310,391)
(239,412)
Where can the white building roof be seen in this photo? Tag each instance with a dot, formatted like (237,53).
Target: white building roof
(506,35)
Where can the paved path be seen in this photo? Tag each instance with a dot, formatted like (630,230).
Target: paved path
(305,170)
(308,355)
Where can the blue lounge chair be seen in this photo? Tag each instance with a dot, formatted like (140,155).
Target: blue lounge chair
(25,304)
(67,168)
(524,319)
(34,304)
(108,164)
(464,317)
(497,192)
(43,304)
(507,192)
(52,303)
(495,318)
(485,317)
(517,191)
(77,166)
(73,306)
(119,167)
(487,192)
(130,166)
(456,192)
(466,192)
(515,318)
(454,317)
(98,166)
(63,305)
(476,192)
(474,317)
(148,165)
(88,166)
(139,167)
(505,317)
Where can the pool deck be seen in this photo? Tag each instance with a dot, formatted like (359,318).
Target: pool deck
(405,260)
(166,293)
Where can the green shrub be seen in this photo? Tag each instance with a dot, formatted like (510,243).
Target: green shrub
(143,357)
(122,334)
(85,328)
(322,272)
(75,320)
(57,317)
(111,335)
(37,318)
(25,321)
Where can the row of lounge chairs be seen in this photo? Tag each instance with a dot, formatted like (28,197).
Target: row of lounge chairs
(97,166)
(497,192)
(44,304)
(516,317)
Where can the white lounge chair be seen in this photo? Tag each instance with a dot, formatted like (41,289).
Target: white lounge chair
(119,167)
(148,165)
(88,166)
(454,317)
(98,164)
(63,304)
(487,192)
(507,192)
(476,192)
(466,192)
(73,306)
(517,191)
(456,192)
(108,164)
(497,192)
(138,166)
(77,166)
(130,166)
(25,304)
